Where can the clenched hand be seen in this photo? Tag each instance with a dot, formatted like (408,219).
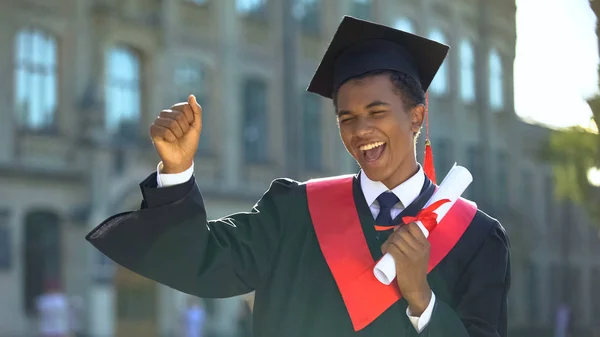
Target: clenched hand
(410,250)
(175,134)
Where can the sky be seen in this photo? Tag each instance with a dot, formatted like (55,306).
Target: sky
(556,61)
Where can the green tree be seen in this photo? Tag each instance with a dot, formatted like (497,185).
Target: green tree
(572,152)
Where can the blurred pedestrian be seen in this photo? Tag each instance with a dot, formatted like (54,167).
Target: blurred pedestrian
(194,319)
(53,312)
(245,319)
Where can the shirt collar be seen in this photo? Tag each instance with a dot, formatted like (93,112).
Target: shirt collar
(407,192)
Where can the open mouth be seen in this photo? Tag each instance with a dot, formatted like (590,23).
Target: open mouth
(373,151)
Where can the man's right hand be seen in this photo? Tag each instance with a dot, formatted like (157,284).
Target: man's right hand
(175,134)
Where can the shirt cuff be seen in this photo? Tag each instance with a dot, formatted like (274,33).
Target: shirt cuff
(420,323)
(166,180)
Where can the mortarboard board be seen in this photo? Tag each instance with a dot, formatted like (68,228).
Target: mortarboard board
(359,47)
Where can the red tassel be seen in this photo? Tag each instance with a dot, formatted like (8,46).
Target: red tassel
(428,166)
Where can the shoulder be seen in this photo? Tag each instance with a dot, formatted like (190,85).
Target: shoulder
(286,185)
(282,186)
(483,224)
(286,190)
(489,233)
(489,225)
(485,233)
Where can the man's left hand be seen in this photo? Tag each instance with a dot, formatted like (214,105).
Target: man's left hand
(410,250)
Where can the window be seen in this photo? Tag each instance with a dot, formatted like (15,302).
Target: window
(555,290)
(405,24)
(198,2)
(312,130)
(122,90)
(474,165)
(255,132)
(307,13)
(574,276)
(5,240)
(442,150)
(36,84)
(467,71)
(247,7)
(527,192)
(496,81)
(549,204)
(533,302)
(502,180)
(439,86)
(41,255)
(595,274)
(361,9)
(190,78)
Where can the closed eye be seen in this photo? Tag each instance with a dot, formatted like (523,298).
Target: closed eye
(378,113)
(346,119)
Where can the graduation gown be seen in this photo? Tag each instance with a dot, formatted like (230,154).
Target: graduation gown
(273,250)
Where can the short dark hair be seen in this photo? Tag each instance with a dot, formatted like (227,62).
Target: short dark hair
(405,86)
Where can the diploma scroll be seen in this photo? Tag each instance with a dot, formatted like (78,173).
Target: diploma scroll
(451,188)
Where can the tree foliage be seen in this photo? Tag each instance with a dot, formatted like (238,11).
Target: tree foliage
(572,152)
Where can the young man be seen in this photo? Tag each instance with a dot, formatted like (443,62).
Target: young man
(308,249)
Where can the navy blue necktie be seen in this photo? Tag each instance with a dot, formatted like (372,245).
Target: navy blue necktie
(386,201)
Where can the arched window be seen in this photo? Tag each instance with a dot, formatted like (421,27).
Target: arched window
(312,138)
(191,78)
(467,71)
(41,255)
(307,12)
(405,24)
(439,86)
(255,112)
(361,9)
(122,89)
(36,92)
(250,6)
(496,81)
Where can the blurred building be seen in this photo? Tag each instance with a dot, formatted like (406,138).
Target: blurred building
(83,80)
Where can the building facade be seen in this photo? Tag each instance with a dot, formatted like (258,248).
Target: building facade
(83,80)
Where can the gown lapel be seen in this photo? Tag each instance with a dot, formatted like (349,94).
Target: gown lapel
(376,239)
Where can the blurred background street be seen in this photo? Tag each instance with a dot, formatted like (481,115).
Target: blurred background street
(82,80)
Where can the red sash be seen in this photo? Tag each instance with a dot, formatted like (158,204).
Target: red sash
(343,243)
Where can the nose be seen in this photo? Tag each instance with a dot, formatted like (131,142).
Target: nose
(363,127)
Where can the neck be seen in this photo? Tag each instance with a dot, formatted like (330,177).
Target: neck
(402,174)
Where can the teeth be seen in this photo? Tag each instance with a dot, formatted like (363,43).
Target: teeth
(371,146)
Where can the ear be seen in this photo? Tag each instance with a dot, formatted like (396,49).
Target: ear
(417,114)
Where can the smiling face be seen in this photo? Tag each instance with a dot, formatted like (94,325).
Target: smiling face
(378,128)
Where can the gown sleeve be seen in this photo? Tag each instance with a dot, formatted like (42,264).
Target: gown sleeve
(480,308)
(171,241)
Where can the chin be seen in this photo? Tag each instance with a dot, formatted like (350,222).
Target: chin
(376,174)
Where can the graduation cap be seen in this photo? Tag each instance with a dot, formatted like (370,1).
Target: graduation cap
(359,47)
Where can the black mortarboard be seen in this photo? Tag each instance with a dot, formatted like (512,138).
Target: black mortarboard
(360,46)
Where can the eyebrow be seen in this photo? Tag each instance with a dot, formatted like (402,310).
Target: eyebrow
(376,103)
(368,106)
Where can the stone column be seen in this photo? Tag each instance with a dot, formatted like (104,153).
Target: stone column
(227,79)
(101,309)
(7,112)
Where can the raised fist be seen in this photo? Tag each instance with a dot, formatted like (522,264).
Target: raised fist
(175,134)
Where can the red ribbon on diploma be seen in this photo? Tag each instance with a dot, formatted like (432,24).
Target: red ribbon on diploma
(427,216)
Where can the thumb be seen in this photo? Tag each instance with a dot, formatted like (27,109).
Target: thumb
(197,109)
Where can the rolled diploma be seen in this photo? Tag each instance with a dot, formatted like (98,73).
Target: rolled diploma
(452,187)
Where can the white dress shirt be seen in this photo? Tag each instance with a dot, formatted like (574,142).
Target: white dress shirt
(407,192)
